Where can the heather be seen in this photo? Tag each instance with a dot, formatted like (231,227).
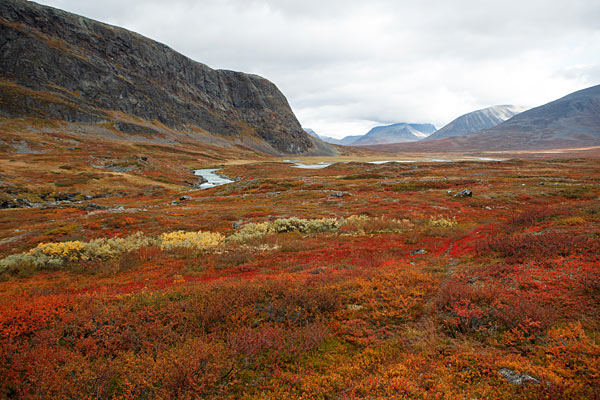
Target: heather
(292,283)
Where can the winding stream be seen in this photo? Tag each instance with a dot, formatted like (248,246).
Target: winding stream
(320,165)
(212,178)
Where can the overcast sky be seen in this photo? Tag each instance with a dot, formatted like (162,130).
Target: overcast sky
(348,65)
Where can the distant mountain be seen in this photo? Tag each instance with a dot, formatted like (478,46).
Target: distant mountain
(331,140)
(575,117)
(395,133)
(569,122)
(64,67)
(346,141)
(477,121)
(311,133)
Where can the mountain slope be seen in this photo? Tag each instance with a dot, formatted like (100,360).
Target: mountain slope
(395,133)
(569,122)
(477,121)
(573,117)
(59,66)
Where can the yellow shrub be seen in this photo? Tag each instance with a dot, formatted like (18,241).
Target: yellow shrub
(571,221)
(363,224)
(322,225)
(58,254)
(249,232)
(442,222)
(191,240)
(356,220)
(66,250)
(107,248)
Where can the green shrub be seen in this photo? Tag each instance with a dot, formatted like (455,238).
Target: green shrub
(254,231)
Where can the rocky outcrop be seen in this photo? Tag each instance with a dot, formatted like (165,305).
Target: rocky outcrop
(58,65)
(516,378)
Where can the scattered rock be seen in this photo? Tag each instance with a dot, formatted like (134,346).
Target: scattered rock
(464,193)
(237,225)
(517,379)
(317,271)
(337,194)
(195,185)
(186,197)
(420,251)
(16,203)
(488,207)
(22,147)
(175,203)
(25,203)
(114,168)
(354,307)
(68,197)
(93,207)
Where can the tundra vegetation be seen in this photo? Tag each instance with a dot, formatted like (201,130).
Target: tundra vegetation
(351,281)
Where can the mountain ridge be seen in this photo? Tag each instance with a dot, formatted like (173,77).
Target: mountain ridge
(571,121)
(573,114)
(395,133)
(476,120)
(383,134)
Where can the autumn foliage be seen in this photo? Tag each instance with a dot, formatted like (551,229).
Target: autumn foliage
(273,288)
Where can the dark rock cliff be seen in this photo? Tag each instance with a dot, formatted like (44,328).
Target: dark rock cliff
(58,65)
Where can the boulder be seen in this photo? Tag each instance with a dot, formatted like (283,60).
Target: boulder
(516,378)
(464,193)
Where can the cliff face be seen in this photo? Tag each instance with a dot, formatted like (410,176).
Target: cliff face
(59,65)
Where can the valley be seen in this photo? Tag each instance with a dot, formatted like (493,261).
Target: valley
(280,284)
(169,230)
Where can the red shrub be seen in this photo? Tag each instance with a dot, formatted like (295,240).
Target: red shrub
(532,216)
(518,248)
